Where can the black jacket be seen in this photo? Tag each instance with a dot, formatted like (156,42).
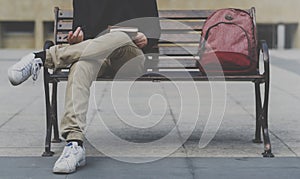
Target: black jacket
(94,16)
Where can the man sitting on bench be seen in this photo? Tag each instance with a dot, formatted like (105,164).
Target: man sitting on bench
(89,57)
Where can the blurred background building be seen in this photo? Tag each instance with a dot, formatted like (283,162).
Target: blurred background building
(28,23)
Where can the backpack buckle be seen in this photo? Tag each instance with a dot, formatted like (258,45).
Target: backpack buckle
(228,17)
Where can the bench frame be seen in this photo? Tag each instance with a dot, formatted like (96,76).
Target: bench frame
(261,78)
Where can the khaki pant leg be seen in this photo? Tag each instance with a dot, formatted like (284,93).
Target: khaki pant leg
(81,76)
(128,60)
(61,56)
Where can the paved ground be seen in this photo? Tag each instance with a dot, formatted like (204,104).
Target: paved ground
(172,167)
(230,154)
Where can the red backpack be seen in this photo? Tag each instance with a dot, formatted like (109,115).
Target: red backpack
(228,39)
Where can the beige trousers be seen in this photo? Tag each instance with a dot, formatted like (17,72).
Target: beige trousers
(102,55)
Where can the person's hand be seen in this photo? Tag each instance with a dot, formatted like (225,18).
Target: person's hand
(75,37)
(140,40)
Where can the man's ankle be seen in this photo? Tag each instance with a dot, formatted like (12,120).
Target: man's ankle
(41,55)
(79,142)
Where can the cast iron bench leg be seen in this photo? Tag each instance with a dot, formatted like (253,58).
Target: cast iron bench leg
(257,138)
(264,110)
(47,152)
(56,138)
(264,122)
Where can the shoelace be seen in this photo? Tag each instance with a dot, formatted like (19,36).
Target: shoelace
(26,69)
(36,67)
(69,150)
(66,153)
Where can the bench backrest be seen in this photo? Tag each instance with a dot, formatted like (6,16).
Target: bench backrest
(180,35)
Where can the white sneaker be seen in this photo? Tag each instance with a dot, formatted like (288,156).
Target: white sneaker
(21,71)
(72,157)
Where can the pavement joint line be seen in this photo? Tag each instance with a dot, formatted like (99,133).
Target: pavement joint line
(26,147)
(9,60)
(285,91)
(277,63)
(20,111)
(240,104)
(188,159)
(285,144)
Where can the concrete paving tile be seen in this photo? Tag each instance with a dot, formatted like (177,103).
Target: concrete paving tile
(128,141)
(22,151)
(27,168)
(97,167)
(25,123)
(246,167)
(227,144)
(21,139)
(173,168)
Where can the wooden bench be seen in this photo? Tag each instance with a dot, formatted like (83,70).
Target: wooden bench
(188,37)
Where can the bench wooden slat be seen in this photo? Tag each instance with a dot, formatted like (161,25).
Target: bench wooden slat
(65,25)
(188,14)
(180,38)
(172,14)
(176,64)
(165,49)
(182,76)
(181,25)
(178,50)
(60,37)
(185,14)
(175,75)
(65,13)
(165,38)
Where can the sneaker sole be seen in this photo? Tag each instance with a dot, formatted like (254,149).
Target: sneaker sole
(80,164)
(10,77)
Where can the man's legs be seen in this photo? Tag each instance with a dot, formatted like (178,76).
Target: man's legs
(81,76)
(61,56)
(127,61)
